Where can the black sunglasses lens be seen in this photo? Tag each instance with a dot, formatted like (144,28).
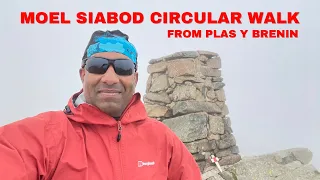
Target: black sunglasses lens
(122,67)
(97,65)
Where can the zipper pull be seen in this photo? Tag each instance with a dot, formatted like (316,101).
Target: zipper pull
(119,131)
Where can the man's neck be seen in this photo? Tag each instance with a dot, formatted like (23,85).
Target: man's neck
(81,99)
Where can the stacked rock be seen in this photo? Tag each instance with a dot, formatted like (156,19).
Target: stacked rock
(185,91)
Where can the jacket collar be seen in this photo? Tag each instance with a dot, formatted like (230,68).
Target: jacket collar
(89,114)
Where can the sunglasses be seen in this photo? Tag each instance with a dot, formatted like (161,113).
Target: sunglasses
(99,65)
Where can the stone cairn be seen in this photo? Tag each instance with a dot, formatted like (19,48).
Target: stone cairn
(185,91)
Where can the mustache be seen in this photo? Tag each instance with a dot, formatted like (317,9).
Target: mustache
(114,87)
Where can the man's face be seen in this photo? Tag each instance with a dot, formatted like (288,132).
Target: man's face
(110,92)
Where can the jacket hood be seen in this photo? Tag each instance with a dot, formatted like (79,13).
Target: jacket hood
(89,114)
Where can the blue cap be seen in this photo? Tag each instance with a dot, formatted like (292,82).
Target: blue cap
(111,41)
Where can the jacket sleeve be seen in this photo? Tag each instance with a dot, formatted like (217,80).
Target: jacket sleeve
(23,155)
(182,165)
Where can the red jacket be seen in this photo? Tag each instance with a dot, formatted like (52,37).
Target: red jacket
(81,144)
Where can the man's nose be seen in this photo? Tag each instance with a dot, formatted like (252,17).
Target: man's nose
(110,77)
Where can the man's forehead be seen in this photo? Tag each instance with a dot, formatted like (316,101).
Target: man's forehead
(111,55)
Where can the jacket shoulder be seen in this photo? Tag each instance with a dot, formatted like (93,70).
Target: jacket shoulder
(46,127)
(160,128)
(44,118)
(41,136)
(154,123)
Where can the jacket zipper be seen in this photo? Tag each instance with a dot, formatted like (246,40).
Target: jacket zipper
(119,122)
(119,130)
(119,136)
(119,147)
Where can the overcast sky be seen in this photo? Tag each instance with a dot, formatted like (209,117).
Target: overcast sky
(272,85)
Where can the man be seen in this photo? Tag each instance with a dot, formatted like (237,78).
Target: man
(104,131)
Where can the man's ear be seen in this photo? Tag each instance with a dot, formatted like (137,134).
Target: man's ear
(82,72)
(136,77)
